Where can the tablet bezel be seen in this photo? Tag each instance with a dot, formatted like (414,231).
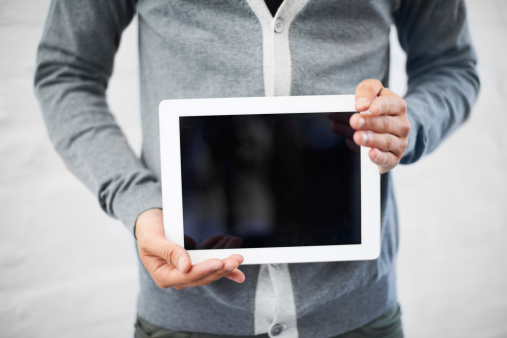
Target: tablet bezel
(169,113)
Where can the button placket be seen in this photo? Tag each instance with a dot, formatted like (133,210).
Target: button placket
(277,81)
(284,323)
(281,64)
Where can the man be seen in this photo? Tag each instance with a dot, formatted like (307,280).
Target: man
(197,49)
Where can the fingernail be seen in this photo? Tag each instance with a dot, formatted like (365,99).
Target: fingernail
(362,101)
(366,112)
(360,122)
(181,263)
(364,138)
(375,156)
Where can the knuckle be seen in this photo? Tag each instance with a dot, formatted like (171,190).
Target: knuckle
(406,127)
(365,82)
(403,106)
(389,141)
(387,91)
(390,159)
(377,106)
(386,124)
(371,123)
(151,266)
(168,253)
(371,84)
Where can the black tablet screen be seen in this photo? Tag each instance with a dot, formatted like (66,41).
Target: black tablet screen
(269,180)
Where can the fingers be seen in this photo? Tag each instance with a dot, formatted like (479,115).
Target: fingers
(167,275)
(366,92)
(151,241)
(384,160)
(236,276)
(386,150)
(372,97)
(386,133)
(393,125)
(382,124)
(228,270)
(383,142)
(172,253)
(169,264)
(387,103)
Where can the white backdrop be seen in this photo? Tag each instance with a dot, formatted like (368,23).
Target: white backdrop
(68,270)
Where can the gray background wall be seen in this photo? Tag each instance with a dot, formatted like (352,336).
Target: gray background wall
(67,270)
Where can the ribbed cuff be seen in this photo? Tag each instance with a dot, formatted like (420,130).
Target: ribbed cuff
(129,204)
(412,154)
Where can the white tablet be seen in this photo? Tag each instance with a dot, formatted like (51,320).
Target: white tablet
(267,178)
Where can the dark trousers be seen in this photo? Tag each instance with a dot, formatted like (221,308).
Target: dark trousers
(387,325)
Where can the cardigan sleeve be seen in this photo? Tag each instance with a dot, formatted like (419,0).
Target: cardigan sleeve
(74,63)
(441,67)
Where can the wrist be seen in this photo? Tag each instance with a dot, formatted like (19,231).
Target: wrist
(149,219)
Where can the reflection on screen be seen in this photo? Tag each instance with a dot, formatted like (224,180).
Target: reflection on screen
(268,180)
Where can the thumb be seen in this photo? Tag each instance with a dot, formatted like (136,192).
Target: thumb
(171,252)
(151,239)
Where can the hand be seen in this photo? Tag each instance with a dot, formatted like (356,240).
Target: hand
(169,264)
(381,124)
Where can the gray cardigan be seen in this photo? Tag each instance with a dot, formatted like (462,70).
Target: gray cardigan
(228,48)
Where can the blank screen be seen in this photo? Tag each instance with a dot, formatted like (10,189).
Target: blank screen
(269,180)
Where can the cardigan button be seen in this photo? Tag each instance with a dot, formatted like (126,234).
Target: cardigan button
(278,25)
(276,329)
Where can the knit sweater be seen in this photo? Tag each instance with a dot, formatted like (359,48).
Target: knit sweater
(225,48)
